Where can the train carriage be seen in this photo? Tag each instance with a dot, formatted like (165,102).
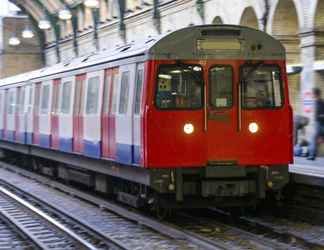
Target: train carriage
(196,117)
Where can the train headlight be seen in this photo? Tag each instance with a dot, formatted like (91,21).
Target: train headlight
(253,127)
(188,128)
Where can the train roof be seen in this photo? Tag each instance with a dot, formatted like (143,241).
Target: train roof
(202,42)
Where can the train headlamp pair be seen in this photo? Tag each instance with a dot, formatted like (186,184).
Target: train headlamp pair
(188,128)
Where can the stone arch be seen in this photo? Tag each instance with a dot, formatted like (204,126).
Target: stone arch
(217,20)
(249,18)
(285,27)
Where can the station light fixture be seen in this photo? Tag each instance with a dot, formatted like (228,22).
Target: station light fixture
(27,33)
(14,41)
(253,127)
(65,14)
(91,3)
(44,24)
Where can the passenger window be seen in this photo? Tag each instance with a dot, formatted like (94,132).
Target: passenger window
(66,97)
(138,91)
(221,87)
(107,93)
(124,92)
(45,99)
(92,95)
(11,102)
(30,100)
(1,103)
(114,98)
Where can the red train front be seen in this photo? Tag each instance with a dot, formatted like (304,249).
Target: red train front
(217,117)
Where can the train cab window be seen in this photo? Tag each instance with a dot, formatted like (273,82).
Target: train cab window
(93,95)
(66,97)
(45,99)
(261,87)
(138,91)
(124,93)
(179,87)
(221,86)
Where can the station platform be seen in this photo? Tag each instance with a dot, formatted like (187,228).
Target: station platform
(308,172)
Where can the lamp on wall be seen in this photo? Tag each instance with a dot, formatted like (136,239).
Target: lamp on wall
(91,3)
(27,33)
(44,24)
(14,40)
(65,14)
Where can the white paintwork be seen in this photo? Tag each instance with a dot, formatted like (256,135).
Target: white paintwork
(30,107)
(2,105)
(124,121)
(11,117)
(66,120)
(92,122)
(137,117)
(45,117)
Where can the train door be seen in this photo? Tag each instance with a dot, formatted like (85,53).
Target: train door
(18,114)
(45,114)
(77,113)
(30,115)
(11,114)
(105,113)
(124,115)
(66,114)
(221,115)
(112,147)
(136,139)
(2,113)
(54,115)
(36,97)
(92,114)
(21,122)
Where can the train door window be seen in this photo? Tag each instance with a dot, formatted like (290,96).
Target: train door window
(21,100)
(11,102)
(261,87)
(93,95)
(45,99)
(30,100)
(115,91)
(124,93)
(179,87)
(107,93)
(66,97)
(221,86)
(138,90)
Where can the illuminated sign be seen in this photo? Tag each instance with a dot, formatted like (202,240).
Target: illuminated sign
(218,44)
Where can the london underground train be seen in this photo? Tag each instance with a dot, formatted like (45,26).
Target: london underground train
(198,117)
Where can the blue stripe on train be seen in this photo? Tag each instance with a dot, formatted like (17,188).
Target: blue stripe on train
(10,135)
(45,140)
(1,134)
(66,144)
(92,149)
(21,137)
(29,138)
(125,153)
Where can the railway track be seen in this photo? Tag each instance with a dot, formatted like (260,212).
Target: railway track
(193,231)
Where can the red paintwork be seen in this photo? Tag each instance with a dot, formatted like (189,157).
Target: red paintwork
(110,122)
(36,136)
(166,145)
(77,115)
(54,115)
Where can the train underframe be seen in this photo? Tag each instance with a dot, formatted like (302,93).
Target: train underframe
(212,185)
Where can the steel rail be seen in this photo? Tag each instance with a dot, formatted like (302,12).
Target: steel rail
(83,244)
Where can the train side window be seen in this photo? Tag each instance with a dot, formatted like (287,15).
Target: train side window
(45,99)
(115,91)
(221,86)
(21,100)
(107,86)
(93,95)
(30,100)
(124,93)
(138,90)
(66,97)
(10,102)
